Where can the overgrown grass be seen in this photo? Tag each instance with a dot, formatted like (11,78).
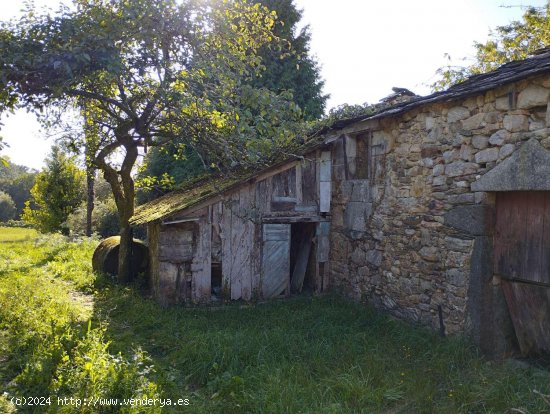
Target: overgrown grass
(47,346)
(305,355)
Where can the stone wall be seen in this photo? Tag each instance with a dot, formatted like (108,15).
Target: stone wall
(411,235)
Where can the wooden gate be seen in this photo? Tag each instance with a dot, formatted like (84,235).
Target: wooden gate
(522,260)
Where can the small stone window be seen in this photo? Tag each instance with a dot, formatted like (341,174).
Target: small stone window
(364,160)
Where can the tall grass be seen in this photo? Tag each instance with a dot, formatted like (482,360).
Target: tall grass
(47,345)
(305,355)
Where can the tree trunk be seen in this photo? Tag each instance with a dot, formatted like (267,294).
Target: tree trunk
(90,180)
(125,270)
(125,208)
(123,187)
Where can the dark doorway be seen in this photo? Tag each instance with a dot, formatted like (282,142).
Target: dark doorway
(302,254)
(216,281)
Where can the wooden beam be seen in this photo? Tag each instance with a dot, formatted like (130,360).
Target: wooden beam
(185,220)
(293,219)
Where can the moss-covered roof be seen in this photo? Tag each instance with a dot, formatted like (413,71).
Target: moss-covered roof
(189,195)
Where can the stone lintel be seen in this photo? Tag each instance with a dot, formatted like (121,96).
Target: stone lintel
(527,169)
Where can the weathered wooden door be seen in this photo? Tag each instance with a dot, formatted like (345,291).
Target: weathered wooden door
(275,259)
(522,260)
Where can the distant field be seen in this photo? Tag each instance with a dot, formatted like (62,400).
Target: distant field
(65,332)
(13,234)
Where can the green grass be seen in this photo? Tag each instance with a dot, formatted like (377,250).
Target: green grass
(15,234)
(304,355)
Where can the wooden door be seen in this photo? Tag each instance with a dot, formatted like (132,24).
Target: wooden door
(275,259)
(522,260)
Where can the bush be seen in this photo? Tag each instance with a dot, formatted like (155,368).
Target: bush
(7,207)
(104,219)
(16,223)
(108,224)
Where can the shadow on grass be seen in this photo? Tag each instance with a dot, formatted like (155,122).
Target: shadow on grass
(304,355)
(309,354)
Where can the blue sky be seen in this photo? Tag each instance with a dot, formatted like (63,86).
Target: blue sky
(364,48)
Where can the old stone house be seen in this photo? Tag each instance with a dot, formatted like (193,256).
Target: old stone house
(433,209)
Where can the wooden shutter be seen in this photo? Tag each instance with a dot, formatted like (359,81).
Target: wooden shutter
(325,182)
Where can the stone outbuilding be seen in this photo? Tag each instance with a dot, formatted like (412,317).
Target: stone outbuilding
(433,209)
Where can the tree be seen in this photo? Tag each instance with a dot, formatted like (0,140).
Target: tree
(57,192)
(17,181)
(145,72)
(7,207)
(515,41)
(294,71)
(165,168)
(3,160)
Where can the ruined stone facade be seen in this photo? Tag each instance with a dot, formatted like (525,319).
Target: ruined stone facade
(435,209)
(410,234)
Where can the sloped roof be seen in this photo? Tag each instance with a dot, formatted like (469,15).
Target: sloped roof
(507,73)
(198,191)
(189,195)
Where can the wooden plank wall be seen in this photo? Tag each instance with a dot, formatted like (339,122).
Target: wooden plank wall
(201,267)
(246,242)
(225,234)
(176,243)
(237,232)
(176,250)
(308,184)
(230,230)
(275,259)
(263,196)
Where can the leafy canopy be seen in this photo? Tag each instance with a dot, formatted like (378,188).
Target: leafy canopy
(151,71)
(287,68)
(144,73)
(514,41)
(295,71)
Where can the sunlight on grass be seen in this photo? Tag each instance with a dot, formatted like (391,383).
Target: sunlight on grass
(16,234)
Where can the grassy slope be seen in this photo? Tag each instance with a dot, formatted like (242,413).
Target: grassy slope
(302,355)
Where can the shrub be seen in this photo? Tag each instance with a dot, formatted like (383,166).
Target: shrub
(104,219)
(16,223)
(108,224)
